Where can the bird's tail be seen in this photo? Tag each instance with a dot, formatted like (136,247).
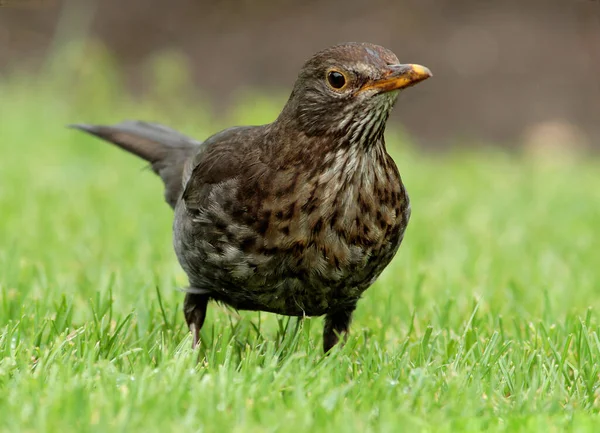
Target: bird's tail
(165,149)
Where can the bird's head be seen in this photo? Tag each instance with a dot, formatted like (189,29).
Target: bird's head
(348,91)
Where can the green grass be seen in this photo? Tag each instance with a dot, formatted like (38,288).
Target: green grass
(486,320)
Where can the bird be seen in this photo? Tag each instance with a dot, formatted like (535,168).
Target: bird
(297,217)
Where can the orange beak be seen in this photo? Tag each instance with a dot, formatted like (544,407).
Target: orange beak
(398,77)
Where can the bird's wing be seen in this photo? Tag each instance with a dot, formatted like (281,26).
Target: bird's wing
(221,158)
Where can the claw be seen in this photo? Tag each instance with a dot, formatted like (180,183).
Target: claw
(195,334)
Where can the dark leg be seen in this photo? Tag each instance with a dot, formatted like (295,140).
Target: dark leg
(194,310)
(336,323)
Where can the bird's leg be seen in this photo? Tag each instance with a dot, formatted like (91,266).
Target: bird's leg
(336,323)
(194,310)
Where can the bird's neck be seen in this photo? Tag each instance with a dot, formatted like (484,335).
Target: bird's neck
(356,141)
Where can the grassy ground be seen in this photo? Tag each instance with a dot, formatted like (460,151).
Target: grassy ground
(487,319)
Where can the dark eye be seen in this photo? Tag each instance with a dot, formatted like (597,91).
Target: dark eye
(336,79)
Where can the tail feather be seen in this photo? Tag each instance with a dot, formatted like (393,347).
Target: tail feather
(165,149)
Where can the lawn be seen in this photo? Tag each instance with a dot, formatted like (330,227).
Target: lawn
(487,319)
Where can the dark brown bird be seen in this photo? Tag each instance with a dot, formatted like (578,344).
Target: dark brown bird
(298,217)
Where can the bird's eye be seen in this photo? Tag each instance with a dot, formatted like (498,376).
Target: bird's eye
(336,79)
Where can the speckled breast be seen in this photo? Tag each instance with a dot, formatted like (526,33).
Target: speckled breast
(306,249)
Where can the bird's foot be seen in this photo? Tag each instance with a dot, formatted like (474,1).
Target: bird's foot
(194,309)
(336,324)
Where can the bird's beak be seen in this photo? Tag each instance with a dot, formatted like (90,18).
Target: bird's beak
(398,77)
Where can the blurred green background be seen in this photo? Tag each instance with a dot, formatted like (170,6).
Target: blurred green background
(487,318)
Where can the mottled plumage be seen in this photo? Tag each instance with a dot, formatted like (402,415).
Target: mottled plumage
(298,217)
